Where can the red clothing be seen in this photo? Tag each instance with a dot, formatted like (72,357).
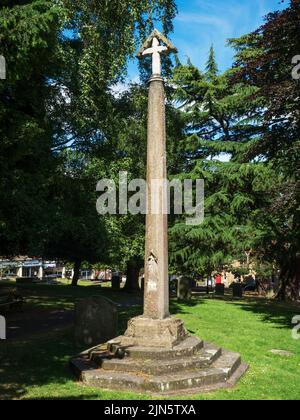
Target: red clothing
(218,279)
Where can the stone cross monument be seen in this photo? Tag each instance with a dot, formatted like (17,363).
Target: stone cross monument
(156,354)
(156,303)
(156,327)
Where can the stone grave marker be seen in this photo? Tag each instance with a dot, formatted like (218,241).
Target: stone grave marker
(116,282)
(220,290)
(184,289)
(237,290)
(96,321)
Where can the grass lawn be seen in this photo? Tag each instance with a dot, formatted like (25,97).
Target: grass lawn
(38,367)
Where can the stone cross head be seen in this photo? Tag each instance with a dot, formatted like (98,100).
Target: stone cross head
(156,45)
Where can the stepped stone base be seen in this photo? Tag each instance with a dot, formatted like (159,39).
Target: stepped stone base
(156,366)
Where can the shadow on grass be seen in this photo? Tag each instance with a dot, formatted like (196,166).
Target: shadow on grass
(271,311)
(35,362)
(44,361)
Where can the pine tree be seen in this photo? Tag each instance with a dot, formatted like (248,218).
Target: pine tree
(212,69)
(222,119)
(264,60)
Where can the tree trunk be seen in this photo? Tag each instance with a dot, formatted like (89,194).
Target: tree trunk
(133,271)
(76,275)
(290,282)
(283,282)
(295,281)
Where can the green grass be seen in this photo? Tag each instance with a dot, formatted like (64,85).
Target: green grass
(39,368)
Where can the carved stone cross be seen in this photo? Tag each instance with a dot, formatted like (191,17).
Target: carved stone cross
(156,45)
(156,302)
(155,51)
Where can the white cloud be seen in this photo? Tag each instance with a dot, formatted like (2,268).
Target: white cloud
(198,18)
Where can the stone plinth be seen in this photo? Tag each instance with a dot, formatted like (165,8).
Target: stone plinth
(191,366)
(148,332)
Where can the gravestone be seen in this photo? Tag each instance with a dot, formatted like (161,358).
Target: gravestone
(116,282)
(237,290)
(184,289)
(96,321)
(220,290)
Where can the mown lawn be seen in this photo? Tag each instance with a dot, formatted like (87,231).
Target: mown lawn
(38,367)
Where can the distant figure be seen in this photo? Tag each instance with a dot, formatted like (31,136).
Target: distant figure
(218,279)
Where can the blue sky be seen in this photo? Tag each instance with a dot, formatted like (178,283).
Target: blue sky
(201,23)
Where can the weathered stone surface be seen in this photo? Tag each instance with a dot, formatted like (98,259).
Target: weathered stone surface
(204,368)
(143,331)
(96,321)
(220,290)
(184,289)
(237,290)
(283,353)
(200,360)
(189,347)
(156,302)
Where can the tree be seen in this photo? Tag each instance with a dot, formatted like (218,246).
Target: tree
(25,148)
(104,35)
(221,121)
(57,96)
(264,60)
(75,232)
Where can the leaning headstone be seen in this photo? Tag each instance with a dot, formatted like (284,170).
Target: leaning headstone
(184,289)
(220,290)
(237,290)
(96,321)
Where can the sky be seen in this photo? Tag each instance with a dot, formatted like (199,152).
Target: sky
(202,23)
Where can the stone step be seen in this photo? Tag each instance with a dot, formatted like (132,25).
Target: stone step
(186,381)
(209,369)
(204,378)
(201,360)
(80,366)
(114,381)
(228,362)
(189,347)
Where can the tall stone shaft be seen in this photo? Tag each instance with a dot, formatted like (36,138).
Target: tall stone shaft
(156,301)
